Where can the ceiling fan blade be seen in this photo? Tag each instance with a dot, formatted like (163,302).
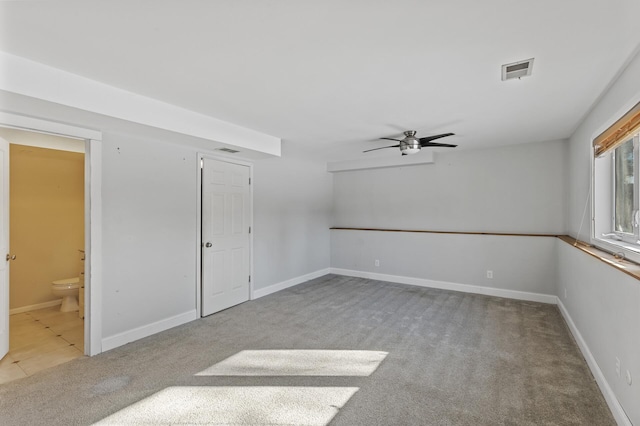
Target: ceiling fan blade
(428,144)
(434,137)
(374,149)
(391,139)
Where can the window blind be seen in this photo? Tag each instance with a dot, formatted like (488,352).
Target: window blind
(618,133)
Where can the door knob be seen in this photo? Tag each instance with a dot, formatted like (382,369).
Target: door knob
(10,257)
(206,245)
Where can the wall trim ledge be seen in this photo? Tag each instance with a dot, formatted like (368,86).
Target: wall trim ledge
(138,333)
(261,292)
(465,288)
(428,231)
(607,392)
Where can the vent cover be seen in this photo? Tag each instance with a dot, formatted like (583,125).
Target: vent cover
(229,150)
(517,69)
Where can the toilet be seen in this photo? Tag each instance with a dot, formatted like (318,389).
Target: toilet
(67,289)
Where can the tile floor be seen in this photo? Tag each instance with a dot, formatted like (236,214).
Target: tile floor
(41,339)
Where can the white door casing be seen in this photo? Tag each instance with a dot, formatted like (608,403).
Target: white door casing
(93,216)
(226,248)
(4,247)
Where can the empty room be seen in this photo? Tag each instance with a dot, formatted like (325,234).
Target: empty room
(320,212)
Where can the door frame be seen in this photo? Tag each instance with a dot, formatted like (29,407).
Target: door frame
(92,215)
(199,246)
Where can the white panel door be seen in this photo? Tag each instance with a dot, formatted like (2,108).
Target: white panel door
(4,247)
(226,212)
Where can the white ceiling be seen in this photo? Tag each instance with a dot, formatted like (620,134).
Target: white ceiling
(332,76)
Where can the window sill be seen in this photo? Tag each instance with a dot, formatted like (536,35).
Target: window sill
(626,266)
(630,252)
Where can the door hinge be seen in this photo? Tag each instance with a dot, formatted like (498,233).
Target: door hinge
(249,181)
(249,229)
(249,278)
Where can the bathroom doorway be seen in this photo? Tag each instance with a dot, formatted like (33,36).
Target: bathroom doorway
(47,213)
(93,219)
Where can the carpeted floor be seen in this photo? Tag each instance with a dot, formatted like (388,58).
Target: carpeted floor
(343,350)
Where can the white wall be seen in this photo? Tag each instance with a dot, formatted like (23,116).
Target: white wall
(603,303)
(149,223)
(150,219)
(508,189)
(514,189)
(292,217)
(523,267)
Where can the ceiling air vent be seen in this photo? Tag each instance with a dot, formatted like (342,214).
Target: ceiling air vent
(517,69)
(228,150)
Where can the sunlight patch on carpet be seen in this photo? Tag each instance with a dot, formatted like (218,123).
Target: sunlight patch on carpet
(246,405)
(297,363)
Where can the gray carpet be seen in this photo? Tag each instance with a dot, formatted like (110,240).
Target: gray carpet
(443,358)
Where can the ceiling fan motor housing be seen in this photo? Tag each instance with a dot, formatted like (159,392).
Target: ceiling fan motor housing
(410,144)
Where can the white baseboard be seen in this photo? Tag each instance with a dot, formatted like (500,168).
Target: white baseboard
(35,307)
(261,292)
(123,338)
(466,288)
(609,396)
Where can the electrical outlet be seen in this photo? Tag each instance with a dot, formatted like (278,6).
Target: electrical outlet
(489,274)
(377,262)
(618,366)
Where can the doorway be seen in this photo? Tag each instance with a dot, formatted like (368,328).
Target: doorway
(46,285)
(92,219)
(226,206)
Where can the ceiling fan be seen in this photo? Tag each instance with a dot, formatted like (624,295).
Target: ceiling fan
(411,144)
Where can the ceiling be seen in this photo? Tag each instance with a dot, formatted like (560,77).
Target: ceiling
(333,76)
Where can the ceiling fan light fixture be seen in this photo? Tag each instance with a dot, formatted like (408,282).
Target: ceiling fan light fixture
(407,149)
(410,144)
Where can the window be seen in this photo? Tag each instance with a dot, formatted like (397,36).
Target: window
(625,190)
(617,187)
